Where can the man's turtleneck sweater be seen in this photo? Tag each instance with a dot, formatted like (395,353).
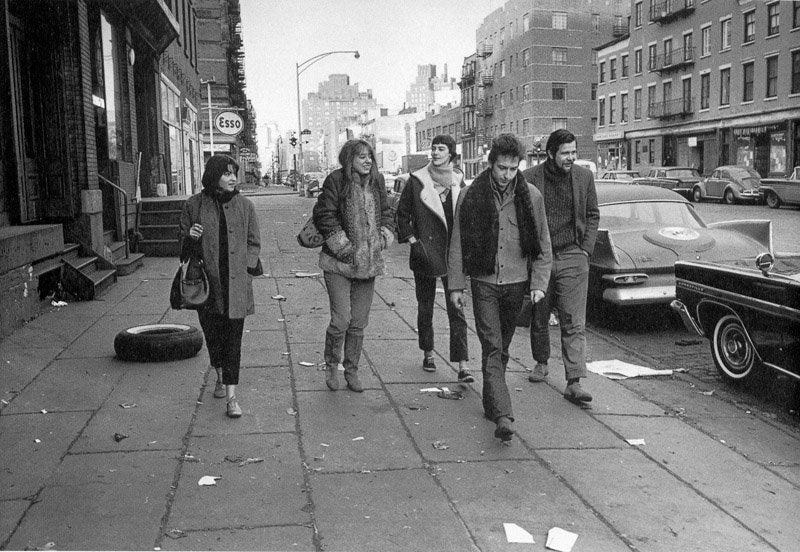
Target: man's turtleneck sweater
(559,206)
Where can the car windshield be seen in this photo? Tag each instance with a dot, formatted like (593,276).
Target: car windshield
(683,173)
(624,217)
(626,175)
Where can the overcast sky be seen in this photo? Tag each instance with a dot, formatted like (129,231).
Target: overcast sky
(392,36)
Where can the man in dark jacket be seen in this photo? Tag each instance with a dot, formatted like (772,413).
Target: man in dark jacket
(425,220)
(572,216)
(500,241)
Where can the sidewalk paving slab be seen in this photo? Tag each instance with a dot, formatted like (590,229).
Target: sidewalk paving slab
(98,340)
(290,537)
(264,348)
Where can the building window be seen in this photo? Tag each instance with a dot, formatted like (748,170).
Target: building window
(559,56)
(526,127)
(687,95)
(526,23)
(511,96)
(502,68)
(526,57)
(559,123)
(705,90)
(796,71)
(725,86)
(612,100)
(637,103)
(666,92)
(593,92)
(559,20)
(623,108)
(747,81)
(596,21)
(559,91)
(526,92)
(667,52)
(772,76)
(725,34)
(601,106)
(796,14)
(773,18)
(651,98)
(637,14)
(637,61)
(651,151)
(652,53)
(502,99)
(602,77)
(705,41)
(612,69)
(624,67)
(749,26)
(637,151)
(688,47)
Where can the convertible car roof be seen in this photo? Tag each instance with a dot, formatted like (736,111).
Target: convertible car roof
(619,193)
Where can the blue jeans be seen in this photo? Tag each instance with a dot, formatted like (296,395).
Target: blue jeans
(496,307)
(569,284)
(350,301)
(425,287)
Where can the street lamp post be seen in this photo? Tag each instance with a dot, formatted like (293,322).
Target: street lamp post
(299,68)
(208,84)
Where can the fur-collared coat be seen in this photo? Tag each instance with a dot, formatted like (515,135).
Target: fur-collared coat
(356,222)
(244,245)
(420,213)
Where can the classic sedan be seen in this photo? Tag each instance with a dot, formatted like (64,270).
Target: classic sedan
(731,184)
(679,179)
(644,230)
(751,315)
(617,177)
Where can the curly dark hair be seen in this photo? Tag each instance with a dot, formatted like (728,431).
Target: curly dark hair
(556,139)
(352,149)
(506,144)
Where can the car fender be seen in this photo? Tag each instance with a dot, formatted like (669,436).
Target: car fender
(758,230)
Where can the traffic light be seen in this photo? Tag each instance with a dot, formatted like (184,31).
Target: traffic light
(293,141)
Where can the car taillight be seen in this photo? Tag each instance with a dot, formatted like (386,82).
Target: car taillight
(625,279)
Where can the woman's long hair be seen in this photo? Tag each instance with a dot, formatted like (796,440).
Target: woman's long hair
(216,166)
(352,149)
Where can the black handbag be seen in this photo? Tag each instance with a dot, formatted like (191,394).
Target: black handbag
(309,236)
(190,288)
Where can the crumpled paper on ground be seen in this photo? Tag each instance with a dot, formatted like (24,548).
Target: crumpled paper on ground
(617,370)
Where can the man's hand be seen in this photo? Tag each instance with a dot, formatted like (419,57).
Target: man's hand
(537,295)
(457,298)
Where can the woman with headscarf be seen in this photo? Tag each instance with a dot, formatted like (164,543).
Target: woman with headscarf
(353,215)
(221,225)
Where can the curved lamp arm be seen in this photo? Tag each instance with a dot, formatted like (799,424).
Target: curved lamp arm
(312,60)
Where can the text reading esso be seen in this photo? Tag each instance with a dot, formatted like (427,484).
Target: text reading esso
(229,122)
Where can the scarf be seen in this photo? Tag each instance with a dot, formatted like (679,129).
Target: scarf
(442,178)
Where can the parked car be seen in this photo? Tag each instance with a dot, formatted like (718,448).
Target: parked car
(750,314)
(397,188)
(586,164)
(312,183)
(617,177)
(782,191)
(677,179)
(645,229)
(729,183)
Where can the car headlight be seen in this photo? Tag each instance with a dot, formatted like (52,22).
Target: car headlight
(626,279)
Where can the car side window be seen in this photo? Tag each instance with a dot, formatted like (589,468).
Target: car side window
(725,175)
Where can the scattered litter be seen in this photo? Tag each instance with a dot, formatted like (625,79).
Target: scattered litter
(707,393)
(119,437)
(189,458)
(281,320)
(43,411)
(287,353)
(391,304)
(635,442)
(357,439)
(324,445)
(242,461)
(176,534)
(49,546)
(515,533)
(518,389)
(553,319)
(37,441)
(440,445)
(415,407)
(306,274)
(4,401)
(59,303)
(129,405)
(617,370)
(279,297)
(430,390)
(208,480)
(291,411)
(445,393)
(560,540)
(304,363)
(683,370)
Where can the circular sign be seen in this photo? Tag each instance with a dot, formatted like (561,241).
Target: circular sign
(229,122)
(679,233)
(392,155)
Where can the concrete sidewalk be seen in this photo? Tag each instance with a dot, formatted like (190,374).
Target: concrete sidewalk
(389,469)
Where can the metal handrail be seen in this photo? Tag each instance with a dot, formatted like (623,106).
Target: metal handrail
(125,196)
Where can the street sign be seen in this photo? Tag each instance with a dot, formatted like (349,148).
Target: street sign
(229,122)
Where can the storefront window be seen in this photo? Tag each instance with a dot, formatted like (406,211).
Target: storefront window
(173,138)
(777,152)
(744,151)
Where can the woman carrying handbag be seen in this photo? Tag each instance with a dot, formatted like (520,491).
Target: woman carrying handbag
(222,225)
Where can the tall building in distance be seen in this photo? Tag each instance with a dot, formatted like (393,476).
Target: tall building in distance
(430,89)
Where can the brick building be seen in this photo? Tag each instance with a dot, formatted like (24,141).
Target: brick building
(441,120)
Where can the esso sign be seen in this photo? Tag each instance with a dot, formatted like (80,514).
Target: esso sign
(229,122)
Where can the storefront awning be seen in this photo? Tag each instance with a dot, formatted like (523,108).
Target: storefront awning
(759,129)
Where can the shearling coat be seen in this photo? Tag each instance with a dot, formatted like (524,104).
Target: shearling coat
(244,246)
(420,213)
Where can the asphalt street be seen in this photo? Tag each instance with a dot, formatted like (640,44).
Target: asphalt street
(657,464)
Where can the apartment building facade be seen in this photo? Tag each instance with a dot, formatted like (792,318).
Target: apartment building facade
(702,83)
(441,120)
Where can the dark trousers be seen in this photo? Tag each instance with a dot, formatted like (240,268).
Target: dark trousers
(569,284)
(224,342)
(425,287)
(496,308)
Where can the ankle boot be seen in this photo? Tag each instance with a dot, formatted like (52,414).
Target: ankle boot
(332,354)
(331,379)
(353,383)
(219,387)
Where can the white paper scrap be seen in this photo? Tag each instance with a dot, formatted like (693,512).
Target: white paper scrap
(306,274)
(635,442)
(560,540)
(515,533)
(208,480)
(357,439)
(617,370)
(304,363)
(430,390)
(279,297)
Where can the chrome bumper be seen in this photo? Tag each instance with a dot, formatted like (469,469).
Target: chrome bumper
(687,319)
(638,295)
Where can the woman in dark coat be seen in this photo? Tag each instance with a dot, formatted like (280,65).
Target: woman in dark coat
(226,221)
(425,220)
(353,215)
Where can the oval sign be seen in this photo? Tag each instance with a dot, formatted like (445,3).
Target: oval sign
(229,122)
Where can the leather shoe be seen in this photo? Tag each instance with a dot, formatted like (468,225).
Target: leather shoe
(353,384)
(219,390)
(539,373)
(576,394)
(505,429)
(428,364)
(464,376)
(330,378)
(233,411)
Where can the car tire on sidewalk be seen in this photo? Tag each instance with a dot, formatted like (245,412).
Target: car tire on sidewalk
(158,342)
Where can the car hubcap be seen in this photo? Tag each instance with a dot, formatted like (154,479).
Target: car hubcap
(736,350)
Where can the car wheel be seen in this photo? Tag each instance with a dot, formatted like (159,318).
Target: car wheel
(734,354)
(697,194)
(773,200)
(729,198)
(158,342)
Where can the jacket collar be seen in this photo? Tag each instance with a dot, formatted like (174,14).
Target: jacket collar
(428,194)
